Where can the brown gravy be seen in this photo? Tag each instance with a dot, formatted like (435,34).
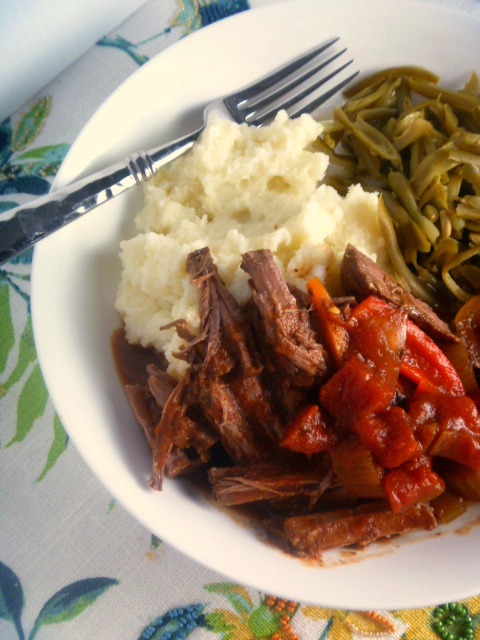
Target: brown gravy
(131,360)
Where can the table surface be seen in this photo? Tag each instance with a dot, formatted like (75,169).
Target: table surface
(73,563)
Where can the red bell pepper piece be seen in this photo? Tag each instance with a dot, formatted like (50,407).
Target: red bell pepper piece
(460,446)
(377,332)
(354,391)
(390,437)
(309,432)
(460,359)
(450,413)
(457,424)
(413,482)
(424,363)
(467,324)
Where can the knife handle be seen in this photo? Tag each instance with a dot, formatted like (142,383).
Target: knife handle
(35,220)
(12,239)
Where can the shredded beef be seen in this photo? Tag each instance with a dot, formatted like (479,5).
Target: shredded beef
(362,277)
(179,429)
(286,397)
(250,370)
(227,378)
(312,534)
(160,384)
(299,355)
(243,485)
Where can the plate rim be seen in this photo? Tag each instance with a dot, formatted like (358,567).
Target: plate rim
(70,159)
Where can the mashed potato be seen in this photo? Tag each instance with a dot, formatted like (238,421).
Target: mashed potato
(240,188)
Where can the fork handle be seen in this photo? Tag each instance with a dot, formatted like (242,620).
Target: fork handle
(39,218)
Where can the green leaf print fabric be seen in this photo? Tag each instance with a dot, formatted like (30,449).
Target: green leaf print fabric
(73,563)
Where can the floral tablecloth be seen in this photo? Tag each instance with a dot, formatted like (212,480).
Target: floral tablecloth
(73,563)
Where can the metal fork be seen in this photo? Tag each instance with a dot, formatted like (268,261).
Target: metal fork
(293,87)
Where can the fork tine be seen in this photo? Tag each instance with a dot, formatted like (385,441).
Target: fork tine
(260,118)
(285,85)
(272,78)
(314,104)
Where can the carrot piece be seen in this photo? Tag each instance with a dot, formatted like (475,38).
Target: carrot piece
(330,320)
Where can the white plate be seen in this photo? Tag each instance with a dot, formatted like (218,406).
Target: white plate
(76,271)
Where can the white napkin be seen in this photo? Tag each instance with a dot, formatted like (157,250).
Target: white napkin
(40,38)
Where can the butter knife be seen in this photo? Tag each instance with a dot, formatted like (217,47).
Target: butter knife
(35,220)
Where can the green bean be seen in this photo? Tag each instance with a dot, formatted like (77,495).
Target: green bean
(445,250)
(417,154)
(378,114)
(458,225)
(452,285)
(411,233)
(466,211)
(445,225)
(451,190)
(449,120)
(380,95)
(417,128)
(436,194)
(433,166)
(455,99)
(471,86)
(430,212)
(404,193)
(390,74)
(472,226)
(412,282)
(471,175)
(467,141)
(371,138)
(404,96)
(367,161)
(418,144)
(341,160)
